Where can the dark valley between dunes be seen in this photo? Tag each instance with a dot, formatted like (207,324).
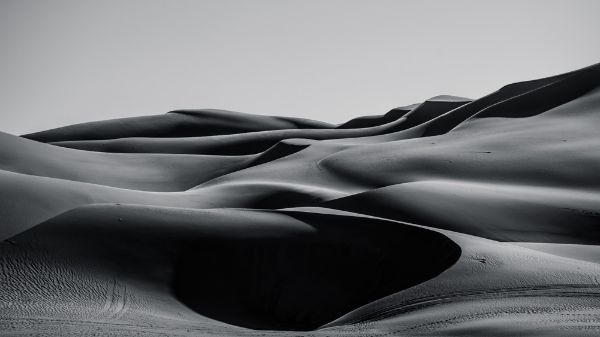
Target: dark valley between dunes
(450,217)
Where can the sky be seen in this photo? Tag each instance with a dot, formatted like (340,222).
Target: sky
(71,61)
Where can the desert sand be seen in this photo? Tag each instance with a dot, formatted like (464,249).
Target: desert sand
(450,217)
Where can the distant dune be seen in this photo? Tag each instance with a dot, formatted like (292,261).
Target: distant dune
(450,217)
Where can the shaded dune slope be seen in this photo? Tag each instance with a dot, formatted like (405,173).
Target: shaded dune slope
(447,217)
(503,213)
(244,267)
(417,113)
(224,144)
(253,142)
(179,123)
(148,172)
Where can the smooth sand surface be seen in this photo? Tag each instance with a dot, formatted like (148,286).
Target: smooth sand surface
(450,217)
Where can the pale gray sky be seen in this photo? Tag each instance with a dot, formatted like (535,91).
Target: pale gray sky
(64,62)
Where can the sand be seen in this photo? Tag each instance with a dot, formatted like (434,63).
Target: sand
(449,217)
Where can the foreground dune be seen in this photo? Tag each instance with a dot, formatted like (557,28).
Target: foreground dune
(451,217)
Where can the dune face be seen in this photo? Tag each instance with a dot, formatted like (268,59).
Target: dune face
(450,217)
(302,283)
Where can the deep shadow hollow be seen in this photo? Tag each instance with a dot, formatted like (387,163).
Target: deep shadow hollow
(304,283)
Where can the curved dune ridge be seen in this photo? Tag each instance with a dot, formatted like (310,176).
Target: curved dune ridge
(450,217)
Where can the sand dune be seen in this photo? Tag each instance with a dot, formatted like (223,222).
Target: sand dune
(180,123)
(449,217)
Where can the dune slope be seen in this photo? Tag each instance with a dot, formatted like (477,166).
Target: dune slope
(449,217)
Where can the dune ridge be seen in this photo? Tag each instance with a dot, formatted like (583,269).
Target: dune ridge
(448,217)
